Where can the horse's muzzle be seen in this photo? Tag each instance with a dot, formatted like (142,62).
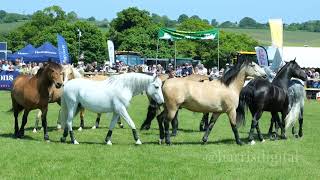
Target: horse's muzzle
(58,85)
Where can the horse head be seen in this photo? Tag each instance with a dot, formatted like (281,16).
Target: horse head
(67,73)
(54,72)
(253,69)
(154,90)
(296,71)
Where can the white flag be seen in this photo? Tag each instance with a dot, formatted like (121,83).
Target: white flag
(111,52)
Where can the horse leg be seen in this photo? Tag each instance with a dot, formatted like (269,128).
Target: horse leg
(24,122)
(301,122)
(259,133)
(171,113)
(152,112)
(213,120)
(254,123)
(38,116)
(174,124)
(204,122)
(82,110)
(16,110)
(44,122)
(283,129)
(123,112)
(97,121)
(160,119)
(115,118)
(271,126)
(59,120)
(120,123)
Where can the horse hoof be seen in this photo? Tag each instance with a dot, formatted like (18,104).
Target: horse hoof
(58,126)
(34,130)
(252,142)
(47,141)
(174,134)
(75,142)
(283,137)
(94,127)
(121,126)
(80,129)
(109,143)
(296,136)
(138,142)
(63,139)
(161,141)
(263,141)
(300,134)
(240,143)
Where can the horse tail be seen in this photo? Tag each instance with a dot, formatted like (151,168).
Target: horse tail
(293,115)
(245,99)
(297,95)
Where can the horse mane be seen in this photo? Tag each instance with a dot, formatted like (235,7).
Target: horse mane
(134,81)
(49,64)
(281,69)
(76,73)
(232,73)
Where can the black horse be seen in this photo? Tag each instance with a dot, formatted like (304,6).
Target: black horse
(261,95)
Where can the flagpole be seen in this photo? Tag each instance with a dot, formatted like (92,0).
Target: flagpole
(157,52)
(218,50)
(175,55)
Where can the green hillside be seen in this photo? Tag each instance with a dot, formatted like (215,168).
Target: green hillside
(7,27)
(291,38)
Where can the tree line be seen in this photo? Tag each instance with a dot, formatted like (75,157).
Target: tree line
(132,29)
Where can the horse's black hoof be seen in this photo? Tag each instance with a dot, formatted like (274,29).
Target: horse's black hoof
(174,134)
(204,140)
(63,139)
(240,143)
(273,136)
(284,137)
(46,138)
(296,136)
(300,134)
(143,127)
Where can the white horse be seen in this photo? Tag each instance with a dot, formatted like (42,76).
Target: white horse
(111,95)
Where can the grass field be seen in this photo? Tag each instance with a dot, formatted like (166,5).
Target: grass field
(221,158)
(290,38)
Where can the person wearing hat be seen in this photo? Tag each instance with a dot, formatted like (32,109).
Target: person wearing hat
(24,69)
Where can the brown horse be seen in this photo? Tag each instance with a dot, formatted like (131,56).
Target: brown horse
(216,97)
(32,92)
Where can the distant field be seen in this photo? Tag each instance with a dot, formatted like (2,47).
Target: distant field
(291,38)
(7,27)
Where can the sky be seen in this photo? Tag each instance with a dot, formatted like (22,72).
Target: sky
(222,10)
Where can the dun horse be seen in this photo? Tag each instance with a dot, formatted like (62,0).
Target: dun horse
(217,96)
(261,95)
(154,107)
(32,92)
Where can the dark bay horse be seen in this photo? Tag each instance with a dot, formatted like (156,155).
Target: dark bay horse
(261,95)
(32,92)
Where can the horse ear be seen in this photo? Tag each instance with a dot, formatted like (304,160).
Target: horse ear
(294,59)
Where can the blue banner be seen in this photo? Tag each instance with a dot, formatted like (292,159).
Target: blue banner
(6,79)
(63,50)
